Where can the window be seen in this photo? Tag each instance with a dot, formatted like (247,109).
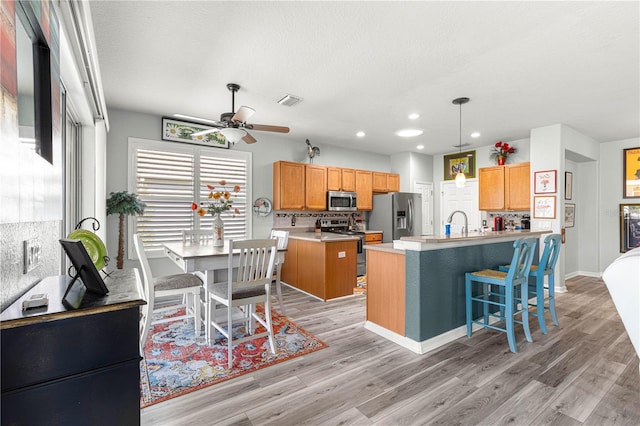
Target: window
(168,177)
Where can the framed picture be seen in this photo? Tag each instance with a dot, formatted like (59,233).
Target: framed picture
(569,215)
(631,170)
(545,182)
(544,207)
(182,131)
(568,185)
(629,227)
(460,161)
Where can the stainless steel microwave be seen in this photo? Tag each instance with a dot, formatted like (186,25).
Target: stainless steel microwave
(338,201)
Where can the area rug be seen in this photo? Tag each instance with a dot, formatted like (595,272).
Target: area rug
(177,362)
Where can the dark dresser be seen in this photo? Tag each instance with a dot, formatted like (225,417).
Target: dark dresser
(73,367)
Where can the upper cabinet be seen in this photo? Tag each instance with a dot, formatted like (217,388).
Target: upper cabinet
(364,189)
(385,182)
(339,179)
(315,187)
(288,185)
(504,187)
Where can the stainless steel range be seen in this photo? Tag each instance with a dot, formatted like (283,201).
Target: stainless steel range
(341,226)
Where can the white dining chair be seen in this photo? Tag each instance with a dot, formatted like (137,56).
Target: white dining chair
(282,238)
(187,285)
(249,285)
(197,236)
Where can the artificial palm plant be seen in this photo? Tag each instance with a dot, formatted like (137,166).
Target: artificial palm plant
(123,203)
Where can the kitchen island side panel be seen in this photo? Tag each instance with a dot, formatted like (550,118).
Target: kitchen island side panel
(435,293)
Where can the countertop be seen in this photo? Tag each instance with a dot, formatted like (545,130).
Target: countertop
(322,237)
(437,242)
(385,247)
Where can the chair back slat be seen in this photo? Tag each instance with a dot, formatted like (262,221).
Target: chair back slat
(197,236)
(256,262)
(523,252)
(147,284)
(552,244)
(281,236)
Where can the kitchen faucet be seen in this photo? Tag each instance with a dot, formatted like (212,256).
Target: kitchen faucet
(465,228)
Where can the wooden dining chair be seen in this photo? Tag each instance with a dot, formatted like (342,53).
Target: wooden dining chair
(501,291)
(251,284)
(282,238)
(187,285)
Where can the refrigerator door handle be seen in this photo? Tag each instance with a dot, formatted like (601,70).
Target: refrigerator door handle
(410,216)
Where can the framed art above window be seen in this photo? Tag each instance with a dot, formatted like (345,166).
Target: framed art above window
(631,170)
(182,131)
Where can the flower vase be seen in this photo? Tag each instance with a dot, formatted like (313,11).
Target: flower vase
(501,160)
(218,231)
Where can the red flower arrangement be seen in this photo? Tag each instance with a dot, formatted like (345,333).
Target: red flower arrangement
(220,200)
(502,150)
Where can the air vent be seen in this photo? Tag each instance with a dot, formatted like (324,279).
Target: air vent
(290,100)
(461,145)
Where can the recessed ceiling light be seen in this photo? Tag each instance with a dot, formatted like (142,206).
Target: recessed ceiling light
(409,133)
(360,134)
(475,135)
(414,116)
(420,147)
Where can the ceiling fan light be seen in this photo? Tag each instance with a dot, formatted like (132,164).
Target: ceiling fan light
(461,179)
(232,134)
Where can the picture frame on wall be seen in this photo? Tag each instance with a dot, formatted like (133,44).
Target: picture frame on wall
(544,207)
(629,227)
(569,215)
(182,131)
(545,182)
(568,185)
(460,161)
(631,170)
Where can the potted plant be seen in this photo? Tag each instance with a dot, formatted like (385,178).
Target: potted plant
(123,203)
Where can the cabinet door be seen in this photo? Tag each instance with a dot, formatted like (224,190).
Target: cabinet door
(364,181)
(288,186)
(393,182)
(334,179)
(491,188)
(348,180)
(379,182)
(517,187)
(316,187)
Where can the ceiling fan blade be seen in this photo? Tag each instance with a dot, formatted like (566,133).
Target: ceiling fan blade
(243,114)
(267,128)
(249,139)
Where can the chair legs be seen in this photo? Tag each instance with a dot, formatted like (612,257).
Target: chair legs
(552,300)
(279,289)
(540,303)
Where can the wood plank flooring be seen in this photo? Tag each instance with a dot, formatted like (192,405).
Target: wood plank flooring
(584,372)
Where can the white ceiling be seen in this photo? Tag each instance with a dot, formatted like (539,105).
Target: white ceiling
(367,65)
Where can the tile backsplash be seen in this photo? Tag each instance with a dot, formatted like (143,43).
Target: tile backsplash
(303,220)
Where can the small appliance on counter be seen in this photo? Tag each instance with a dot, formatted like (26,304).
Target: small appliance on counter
(498,223)
(525,222)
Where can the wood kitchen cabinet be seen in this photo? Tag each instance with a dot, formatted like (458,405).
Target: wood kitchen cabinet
(385,182)
(315,187)
(373,238)
(324,269)
(288,185)
(339,179)
(393,182)
(504,187)
(364,189)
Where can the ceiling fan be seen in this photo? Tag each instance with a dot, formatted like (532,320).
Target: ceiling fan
(233,125)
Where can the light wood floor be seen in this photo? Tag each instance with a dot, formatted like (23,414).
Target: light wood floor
(583,372)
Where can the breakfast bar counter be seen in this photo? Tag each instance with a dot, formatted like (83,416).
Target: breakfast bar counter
(415,285)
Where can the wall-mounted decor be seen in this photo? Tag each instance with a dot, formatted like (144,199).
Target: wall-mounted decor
(262,206)
(460,161)
(629,227)
(182,131)
(631,168)
(569,215)
(544,207)
(568,185)
(545,182)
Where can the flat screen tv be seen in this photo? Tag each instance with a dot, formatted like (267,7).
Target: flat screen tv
(85,270)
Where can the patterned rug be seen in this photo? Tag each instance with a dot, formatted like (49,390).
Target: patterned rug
(177,362)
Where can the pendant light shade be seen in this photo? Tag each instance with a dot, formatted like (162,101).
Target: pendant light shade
(461,179)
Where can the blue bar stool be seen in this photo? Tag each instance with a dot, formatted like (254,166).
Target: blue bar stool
(499,289)
(546,267)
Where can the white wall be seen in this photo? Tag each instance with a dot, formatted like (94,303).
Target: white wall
(572,243)
(610,178)
(412,167)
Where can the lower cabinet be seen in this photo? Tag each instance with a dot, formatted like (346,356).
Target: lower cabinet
(386,290)
(324,269)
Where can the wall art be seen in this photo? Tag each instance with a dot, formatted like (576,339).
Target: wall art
(631,170)
(544,207)
(460,161)
(569,215)
(629,227)
(568,185)
(545,182)
(182,131)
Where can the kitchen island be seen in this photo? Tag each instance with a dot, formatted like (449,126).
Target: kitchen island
(415,285)
(321,264)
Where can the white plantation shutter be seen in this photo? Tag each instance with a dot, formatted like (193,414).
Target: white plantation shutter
(168,177)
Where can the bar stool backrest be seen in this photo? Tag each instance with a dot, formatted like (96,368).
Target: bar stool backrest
(552,244)
(523,252)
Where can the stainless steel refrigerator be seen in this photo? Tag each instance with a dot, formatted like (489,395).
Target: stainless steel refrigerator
(397,214)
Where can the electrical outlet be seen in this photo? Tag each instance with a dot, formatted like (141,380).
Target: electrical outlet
(31,254)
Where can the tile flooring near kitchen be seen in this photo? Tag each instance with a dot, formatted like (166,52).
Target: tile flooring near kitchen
(583,372)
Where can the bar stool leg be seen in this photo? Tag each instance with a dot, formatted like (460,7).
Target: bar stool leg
(552,299)
(485,306)
(540,302)
(467,287)
(524,292)
(509,319)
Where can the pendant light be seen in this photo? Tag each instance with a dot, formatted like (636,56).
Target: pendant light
(461,179)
